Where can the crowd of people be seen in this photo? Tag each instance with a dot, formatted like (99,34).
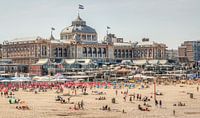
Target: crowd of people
(81,88)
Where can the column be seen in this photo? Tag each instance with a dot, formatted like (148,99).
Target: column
(147,53)
(87,52)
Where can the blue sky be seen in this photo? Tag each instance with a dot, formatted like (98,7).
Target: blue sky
(166,21)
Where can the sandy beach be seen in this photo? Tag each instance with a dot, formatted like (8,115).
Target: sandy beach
(43,104)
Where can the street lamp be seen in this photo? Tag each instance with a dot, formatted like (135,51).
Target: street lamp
(154,88)
(95,75)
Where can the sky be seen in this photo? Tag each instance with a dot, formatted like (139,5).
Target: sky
(165,21)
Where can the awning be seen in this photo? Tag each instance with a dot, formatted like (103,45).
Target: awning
(83,61)
(42,62)
(153,62)
(163,62)
(78,61)
(59,61)
(139,62)
(121,78)
(69,61)
(126,62)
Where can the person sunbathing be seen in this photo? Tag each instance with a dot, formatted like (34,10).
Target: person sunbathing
(139,107)
(22,105)
(58,98)
(142,109)
(181,104)
(147,109)
(109,109)
(63,101)
(75,107)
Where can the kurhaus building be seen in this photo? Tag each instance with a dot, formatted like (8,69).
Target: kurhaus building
(79,41)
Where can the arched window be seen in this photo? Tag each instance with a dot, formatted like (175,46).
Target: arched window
(60,52)
(95,52)
(119,53)
(150,53)
(99,52)
(90,51)
(130,53)
(56,52)
(104,52)
(126,53)
(45,50)
(145,52)
(115,53)
(123,53)
(142,53)
(138,53)
(159,53)
(84,51)
(65,52)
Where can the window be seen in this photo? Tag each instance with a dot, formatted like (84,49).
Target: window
(90,51)
(65,52)
(130,53)
(119,53)
(115,53)
(99,52)
(84,37)
(95,52)
(93,37)
(88,37)
(84,51)
(61,37)
(150,53)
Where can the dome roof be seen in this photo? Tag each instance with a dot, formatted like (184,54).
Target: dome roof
(78,25)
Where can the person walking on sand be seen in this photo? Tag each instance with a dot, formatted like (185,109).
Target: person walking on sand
(82,104)
(160,103)
(156,102)
(125,98)
(75,92)
(174,112)
(116,92)
(197,88)
(79,105)
(130,99)
(68,99)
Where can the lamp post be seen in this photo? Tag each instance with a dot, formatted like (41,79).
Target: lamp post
(154,88)
(95,75)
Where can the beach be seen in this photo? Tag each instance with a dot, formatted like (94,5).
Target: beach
(43,104)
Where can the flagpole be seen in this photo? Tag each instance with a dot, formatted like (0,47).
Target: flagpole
(154,89)
(78,11)
(107,31)
(51,38)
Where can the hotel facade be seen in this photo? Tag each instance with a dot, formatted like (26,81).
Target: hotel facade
(189,52)
(80,41)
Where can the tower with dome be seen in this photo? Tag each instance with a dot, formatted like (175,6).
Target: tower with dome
(79,31)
